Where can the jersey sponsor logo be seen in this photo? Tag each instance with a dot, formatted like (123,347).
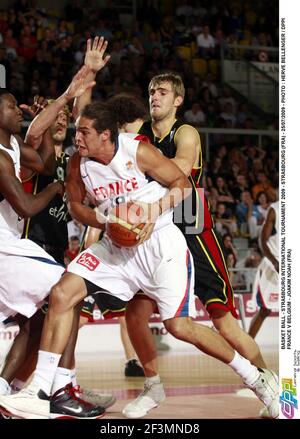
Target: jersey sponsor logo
(88,261)
(115,189)
(60,213)
(273,297)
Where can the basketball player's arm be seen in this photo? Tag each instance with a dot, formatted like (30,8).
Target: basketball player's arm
(41,161)
(188,148)
(76,194)
(265,235)
(46,118)
(95,61)
(23,203)
(92,236)
(163,170)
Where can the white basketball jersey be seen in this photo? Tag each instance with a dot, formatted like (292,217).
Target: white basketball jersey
(10,223)
(121,180)
(273,242)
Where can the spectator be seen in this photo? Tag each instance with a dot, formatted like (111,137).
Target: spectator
(206,43)
(75,229)
(263,204)
(224,195)
(263,185)
(240,185)
(237,279)
(224,223)
(195,115)
(73,249)
(227,98)
(248,216)
(242,114)
(209,83)
(136,47)
(228,114)
(228,245)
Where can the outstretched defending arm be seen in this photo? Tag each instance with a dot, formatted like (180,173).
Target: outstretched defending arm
(31,156)
(46,118)
(95,61)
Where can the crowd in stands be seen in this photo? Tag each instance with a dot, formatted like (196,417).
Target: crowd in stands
(42,49)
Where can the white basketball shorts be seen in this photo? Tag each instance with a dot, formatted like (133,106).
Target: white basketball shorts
(27,275)
(265,290)
(162,267)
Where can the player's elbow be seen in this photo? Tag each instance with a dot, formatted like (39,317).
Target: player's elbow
(39,167)
(187,186)
(23,210)
(34,138)
(25,206)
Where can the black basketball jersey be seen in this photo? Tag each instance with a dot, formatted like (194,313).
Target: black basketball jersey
(49,227)
(197,203)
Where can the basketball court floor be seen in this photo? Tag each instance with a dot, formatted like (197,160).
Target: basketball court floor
(197,386)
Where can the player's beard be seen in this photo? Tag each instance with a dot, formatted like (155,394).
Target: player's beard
(59,137)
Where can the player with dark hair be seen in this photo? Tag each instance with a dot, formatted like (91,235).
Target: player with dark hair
(181,143)
(165,274)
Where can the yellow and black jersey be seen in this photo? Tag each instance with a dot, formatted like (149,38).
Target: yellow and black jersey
(49,227)
(201,217)
(212,284)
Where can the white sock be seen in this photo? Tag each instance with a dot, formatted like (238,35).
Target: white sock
(244,369)
(45,370)
(73,377)
(4,387)
(17,385)
(61,379)
(153,380)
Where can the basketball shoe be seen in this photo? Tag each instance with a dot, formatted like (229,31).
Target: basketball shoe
(33,403)
(133,369)
(151,397)
(101,399)
(66,404)
(266,388)
(264,413)
(29,401)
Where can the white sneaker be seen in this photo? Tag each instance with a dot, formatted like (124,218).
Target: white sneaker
(105,400)
(264,413)
(245,393)
(266,389)
(151,397)
(29,402)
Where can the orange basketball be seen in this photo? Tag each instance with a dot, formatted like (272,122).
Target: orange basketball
(121,218)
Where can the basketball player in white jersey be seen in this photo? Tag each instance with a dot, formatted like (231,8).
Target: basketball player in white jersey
(21,291)
(27,271)
(104,164)
(266,283)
